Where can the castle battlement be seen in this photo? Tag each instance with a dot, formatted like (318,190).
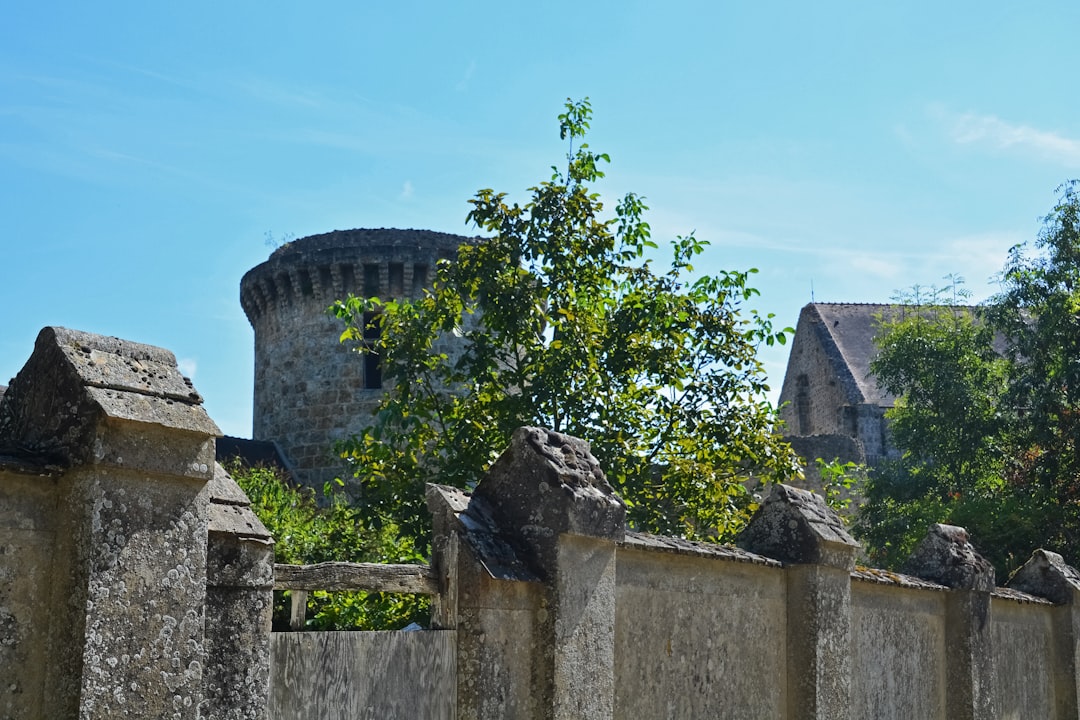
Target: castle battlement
(310,390)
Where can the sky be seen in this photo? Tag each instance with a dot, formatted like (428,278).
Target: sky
(151,153)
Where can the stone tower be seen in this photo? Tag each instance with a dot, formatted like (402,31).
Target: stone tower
(310,390)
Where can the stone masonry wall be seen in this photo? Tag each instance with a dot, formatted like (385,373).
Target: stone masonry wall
(626,625)
(119,538)
(135,582)
(310,390)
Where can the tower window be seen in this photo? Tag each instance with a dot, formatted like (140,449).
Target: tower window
(348,280)
(419,279)
(802,405)
(371,280)
(397,280)
(372,371)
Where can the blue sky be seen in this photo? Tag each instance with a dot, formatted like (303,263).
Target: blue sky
(147,150)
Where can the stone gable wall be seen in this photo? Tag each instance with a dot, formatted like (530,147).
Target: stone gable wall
(815,385)
(820,399)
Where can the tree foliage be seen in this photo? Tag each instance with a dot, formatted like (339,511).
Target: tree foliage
(566,321)
(1039,313)
(989,411)
(306,533)
(938,359)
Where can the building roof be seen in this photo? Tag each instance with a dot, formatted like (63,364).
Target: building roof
(852,328)
(848,333)
(253,453)
(372,240)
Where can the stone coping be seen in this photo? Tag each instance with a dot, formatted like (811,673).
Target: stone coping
(1003,593)
(658,543)
(887,577)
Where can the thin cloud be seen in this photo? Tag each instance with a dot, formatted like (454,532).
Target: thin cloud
(879,265)
(280,94)
(973,129)
(463,84)
(407,190)
(187,367)
(980,257)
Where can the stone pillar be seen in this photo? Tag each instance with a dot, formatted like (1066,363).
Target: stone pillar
(129,566)
(493,602)
(546,503)
(239,606)
(798,528)
(550,490)
(946,557)
(1047,575)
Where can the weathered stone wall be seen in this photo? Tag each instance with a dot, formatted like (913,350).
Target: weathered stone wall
(135,582)
(785,626)
(310,390)
(117,540)
(898,650)
(682,624)
(27,538)
(1023,647)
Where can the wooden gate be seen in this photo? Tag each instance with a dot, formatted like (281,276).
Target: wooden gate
(399,675)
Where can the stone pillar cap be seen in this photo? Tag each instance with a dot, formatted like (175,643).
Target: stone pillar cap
(945,556)
(797,526)
(546,484)
(75,382)
(1047,575)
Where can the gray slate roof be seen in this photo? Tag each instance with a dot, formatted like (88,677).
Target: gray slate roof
(852,328)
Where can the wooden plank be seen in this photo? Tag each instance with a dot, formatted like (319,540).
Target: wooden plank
(363,675)
(357,576)
(297,609)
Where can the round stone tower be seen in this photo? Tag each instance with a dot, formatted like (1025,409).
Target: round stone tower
(310,390)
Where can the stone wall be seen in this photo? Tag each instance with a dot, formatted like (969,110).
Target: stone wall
(310,390)
(558,615)
(135,582)
(134,579)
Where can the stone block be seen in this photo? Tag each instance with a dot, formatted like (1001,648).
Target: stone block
(89,399)
(546,484)
(1047,575)
(796,526)
(946,556)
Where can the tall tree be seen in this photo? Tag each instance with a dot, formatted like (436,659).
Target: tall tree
(937,358)
(568,323)
(988,416)
(1038,312)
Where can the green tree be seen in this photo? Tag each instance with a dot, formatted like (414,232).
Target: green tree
(938,359)
(1038,311)
(990,438)
(568,323)
(306,533)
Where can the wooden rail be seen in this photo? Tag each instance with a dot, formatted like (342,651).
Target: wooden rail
(372,577)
